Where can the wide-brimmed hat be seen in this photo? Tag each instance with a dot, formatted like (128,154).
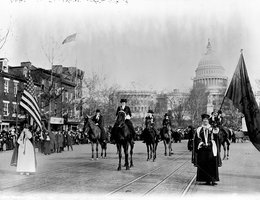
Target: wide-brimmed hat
(205,116)
(123,100)
(97,110)
(150,111)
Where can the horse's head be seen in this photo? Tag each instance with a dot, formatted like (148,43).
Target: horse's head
(86,127)
(149,124)
(120,118)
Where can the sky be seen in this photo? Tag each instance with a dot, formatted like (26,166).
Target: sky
(138,44)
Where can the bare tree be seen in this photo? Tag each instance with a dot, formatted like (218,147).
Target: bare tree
(196,103)
(96,95)
(52,52)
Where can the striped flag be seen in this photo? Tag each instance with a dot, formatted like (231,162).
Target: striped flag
(70,38)
(29,103)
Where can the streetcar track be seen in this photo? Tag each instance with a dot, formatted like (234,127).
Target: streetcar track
(187,188)
(165,178)
(144,175)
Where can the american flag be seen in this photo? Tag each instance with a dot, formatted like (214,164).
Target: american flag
(28,101)
(70,38)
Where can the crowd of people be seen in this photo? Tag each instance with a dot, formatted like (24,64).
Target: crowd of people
(7,139)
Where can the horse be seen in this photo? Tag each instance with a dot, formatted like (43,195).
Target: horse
(151,140)
(166,136)
(123,138)
(94,135)
(224,135)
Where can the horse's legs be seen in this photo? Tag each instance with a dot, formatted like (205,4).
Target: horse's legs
(105,149)
(165,148)
(102,149)
(153,147)
(97,150)
(170,148)
(119,156)
(147,146)
(131,155)
(92,149)
(126,156)
(225,151)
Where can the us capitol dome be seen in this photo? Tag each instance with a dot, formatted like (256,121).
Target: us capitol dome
(211,74)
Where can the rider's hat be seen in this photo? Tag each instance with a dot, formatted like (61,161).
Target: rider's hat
(219,112)
(123,100)
(150,111)
(166,114)
(97,111)
(205,116)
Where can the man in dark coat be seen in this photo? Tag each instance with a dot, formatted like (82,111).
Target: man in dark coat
(128,122)
(99,121)
(206,152)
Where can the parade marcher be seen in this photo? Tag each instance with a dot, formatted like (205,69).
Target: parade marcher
(15,151)
(190,137)
(26,162)
(99,121)
(150,119)
(128,122)
(206,152)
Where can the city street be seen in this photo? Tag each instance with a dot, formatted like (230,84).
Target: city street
(74,174)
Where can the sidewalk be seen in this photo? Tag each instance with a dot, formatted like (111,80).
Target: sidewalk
(240,175)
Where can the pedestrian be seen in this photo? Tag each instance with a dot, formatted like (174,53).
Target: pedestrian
(69,140)
(26,162)
(47,143)
(207,151)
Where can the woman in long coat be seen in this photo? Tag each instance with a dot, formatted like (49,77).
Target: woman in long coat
(26,162)
(207,153)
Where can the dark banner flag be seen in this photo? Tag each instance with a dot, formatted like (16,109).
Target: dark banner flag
(241,94)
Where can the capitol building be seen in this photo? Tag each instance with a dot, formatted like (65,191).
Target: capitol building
(211,74)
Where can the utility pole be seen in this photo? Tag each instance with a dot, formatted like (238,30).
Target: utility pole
(49,121)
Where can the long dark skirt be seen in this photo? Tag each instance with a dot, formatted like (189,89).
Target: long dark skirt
(47,149)
(207,166)
(14,156)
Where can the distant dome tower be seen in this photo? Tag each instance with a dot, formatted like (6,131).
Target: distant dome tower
(211,74)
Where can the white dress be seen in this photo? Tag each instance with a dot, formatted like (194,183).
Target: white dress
(26,157)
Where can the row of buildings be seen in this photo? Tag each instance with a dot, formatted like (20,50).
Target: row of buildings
(58,91)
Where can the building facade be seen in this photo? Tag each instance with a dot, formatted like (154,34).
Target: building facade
(58,95)
(211,74)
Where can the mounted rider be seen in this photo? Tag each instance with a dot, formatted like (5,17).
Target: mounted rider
(99,121)
(166,121)
(216,120)
(128,122)
(150,119)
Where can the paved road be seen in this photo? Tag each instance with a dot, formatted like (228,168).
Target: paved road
(74,173)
